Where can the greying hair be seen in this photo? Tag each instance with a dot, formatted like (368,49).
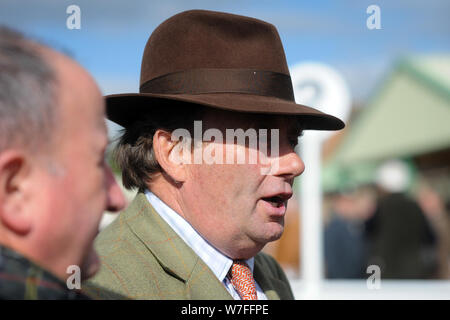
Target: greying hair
(134,154)
(27,93)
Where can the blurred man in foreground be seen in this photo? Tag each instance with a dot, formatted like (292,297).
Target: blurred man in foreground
(54,182)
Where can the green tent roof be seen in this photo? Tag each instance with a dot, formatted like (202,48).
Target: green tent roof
(408,115)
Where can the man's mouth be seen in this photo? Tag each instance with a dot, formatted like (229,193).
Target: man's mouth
(278,200)
(275,201)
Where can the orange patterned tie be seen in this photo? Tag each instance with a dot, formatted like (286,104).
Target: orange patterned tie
(242,280)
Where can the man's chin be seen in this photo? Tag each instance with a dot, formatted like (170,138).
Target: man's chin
(91,265)
(274,237)
(274,232)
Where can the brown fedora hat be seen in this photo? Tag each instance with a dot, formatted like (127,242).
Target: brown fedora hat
(217,60)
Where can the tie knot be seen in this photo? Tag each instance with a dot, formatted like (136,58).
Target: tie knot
(242,280)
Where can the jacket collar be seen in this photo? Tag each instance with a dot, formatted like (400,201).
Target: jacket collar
(180,261)
(172,253)
(268,284)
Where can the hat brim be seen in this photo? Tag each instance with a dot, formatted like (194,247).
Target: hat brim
(126,108)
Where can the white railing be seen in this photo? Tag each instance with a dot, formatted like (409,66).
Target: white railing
(359,290)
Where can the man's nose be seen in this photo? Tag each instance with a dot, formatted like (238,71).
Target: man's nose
(115,198)
(290,165)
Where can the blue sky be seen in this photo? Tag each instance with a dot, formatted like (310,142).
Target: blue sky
(113,33)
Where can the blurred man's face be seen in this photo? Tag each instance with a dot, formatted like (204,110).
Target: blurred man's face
(235,206)
(78,185)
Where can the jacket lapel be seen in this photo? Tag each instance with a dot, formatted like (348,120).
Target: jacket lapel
(269,285)
(173,254)
(203,284)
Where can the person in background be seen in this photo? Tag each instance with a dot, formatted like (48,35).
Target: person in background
(433,205)
(344,238)
(54,182)
(402,242)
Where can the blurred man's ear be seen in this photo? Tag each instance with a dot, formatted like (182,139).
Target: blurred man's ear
(169,156)
(14,175)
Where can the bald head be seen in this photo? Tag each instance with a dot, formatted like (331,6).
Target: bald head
(27,92)
(77,94)
(54,182)
(35,84)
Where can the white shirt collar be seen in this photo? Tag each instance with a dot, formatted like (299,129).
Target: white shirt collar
(219,263)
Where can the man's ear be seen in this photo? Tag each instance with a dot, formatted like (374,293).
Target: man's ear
(170,155)
(14,175)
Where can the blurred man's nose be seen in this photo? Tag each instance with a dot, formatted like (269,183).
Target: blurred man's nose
(116,200)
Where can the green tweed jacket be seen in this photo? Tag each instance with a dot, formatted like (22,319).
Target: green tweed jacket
(143,258)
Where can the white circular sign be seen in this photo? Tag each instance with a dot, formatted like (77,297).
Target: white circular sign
(321,87)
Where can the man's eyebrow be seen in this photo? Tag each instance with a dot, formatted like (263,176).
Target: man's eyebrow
(263,123)
(295,128)
(105,145)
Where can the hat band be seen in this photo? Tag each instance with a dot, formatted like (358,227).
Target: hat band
(198,81)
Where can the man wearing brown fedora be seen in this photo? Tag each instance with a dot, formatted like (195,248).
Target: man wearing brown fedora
(197,225)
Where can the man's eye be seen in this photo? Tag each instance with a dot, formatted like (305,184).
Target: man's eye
(102,161)
(293,142)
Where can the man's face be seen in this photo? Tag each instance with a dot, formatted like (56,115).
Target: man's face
(77,185)
(236,206)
